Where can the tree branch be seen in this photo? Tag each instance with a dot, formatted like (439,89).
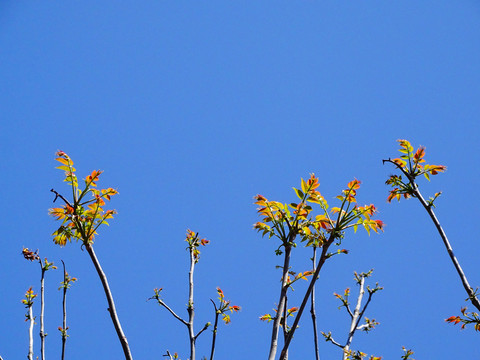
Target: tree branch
(471,293)
(312,308)
(57,195)
(168,355)
(64,303)
(356,317)
(214,336)
(30,333)
(322,260)
(161,302)
(111,304)
(42,311)
(190,308)
(205,327)
(416,193)
(281,302)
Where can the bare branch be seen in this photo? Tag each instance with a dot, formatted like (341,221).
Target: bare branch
(357,313)
(161,302)
(57,195)
(64,327)
(328,337)
(324,256)
(312,308)
(168,355)
(111,305)
(429,208)
(205,327)
(42,311)
(356,317)
(470,292)
(30,333)
(214,336)
(190,308)
(282,300)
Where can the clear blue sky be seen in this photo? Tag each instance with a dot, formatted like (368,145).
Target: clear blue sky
(193,108)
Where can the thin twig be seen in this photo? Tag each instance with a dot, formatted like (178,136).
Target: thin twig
(358,313)
(64,308)
(331,339)
(205,327)
(349,311)
(190,307)
(57,195)
(169,355)
(161,302)
(370,294)
(214,336)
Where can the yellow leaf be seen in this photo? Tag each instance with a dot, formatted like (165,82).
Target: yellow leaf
(304,186)
(64,161)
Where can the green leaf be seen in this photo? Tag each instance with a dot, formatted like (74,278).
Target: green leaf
(65,168)
(299,193)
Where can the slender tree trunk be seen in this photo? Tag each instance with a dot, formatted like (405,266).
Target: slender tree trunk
(190,309)
(312,308)
(355,318)
(42,312)
(111,304)
(322,260)
(30,333)
(281,303)
(284,323)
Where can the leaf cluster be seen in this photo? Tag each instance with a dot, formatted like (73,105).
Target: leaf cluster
(224,306)
(410,164)
(29,297)
(194,241)
(286,221)
(465,319)
(82,216)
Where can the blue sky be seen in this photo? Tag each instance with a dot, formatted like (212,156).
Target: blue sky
(191,109)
